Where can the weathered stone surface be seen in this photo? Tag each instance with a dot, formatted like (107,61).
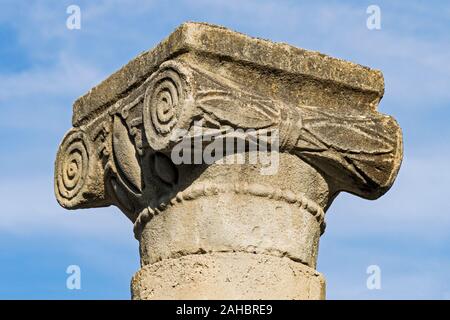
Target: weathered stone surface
(217,217)
(228,276)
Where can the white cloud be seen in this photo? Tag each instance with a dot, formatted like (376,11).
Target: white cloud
(413,61)
(415,206)
(29,207)
(405,232)
(65,78)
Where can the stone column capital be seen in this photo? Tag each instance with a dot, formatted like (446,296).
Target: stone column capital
(318,114)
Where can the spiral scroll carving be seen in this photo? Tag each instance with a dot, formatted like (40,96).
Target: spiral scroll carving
(71,168)
(163,103)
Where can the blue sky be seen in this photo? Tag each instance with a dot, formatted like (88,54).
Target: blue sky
(44,67)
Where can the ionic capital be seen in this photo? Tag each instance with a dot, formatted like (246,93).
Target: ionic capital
(227,150)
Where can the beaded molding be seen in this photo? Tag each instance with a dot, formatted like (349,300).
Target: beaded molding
(212,189)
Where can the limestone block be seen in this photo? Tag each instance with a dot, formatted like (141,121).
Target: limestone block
(230,276)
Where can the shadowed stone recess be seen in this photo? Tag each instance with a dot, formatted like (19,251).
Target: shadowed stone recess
(219,229)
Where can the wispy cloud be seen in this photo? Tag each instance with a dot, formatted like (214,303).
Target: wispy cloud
(65,78)
(41,214)
(415,206)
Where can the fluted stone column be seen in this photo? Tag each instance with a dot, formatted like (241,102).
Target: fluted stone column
(234,227)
